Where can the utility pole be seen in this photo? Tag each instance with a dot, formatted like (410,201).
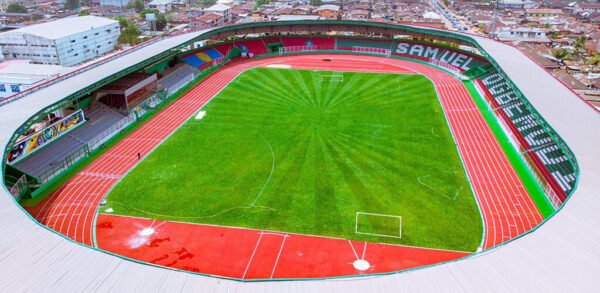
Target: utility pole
(495,15)
(190,13)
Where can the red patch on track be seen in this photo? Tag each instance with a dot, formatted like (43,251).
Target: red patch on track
(253,254)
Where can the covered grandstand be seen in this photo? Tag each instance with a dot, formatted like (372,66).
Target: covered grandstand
(554,128)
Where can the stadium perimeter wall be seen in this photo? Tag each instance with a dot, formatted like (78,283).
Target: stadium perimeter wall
(516,265)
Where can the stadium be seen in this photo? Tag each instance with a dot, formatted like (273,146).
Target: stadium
(323,155)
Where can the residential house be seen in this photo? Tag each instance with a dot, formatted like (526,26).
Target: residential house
(358,14)
(583,7)
(116,3)
(207,19)
(221,9)
(262,14)
(302,10)
(162,6)
(328,11)
(524,34)
(516,4)
(543,12)
(180,17)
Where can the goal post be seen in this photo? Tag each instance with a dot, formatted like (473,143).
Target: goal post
(332,78)
(382,225)
(372,50)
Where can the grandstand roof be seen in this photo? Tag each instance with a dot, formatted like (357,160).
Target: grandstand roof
(560,256)
(126,82)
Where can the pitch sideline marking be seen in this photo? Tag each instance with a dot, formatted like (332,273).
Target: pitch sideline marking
(191,217)
(435,190)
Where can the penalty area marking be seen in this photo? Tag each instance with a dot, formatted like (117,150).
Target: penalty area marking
(394,217)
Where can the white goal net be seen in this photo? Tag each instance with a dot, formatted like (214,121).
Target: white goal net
(378,225)
(370,50)
(295,49)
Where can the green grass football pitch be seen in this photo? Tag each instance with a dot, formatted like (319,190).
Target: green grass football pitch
(303,151)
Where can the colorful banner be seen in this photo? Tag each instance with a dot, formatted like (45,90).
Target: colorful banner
(27,146)
(149,103)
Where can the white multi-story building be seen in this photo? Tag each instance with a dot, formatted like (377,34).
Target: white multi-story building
(19,75)
(221,9)
(516,4)
(67,42)
(582,7)
(524,34)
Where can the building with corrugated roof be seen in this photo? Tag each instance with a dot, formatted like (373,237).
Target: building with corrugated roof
(19,75)
(68,41)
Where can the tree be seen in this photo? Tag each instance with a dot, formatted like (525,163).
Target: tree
(260,3)
(123,23)
(71,4)
(84,12)
(161,22)
(132,29)
(579,44)
(207,3)
(129,34)
(561,54)
(16,8)
(146,11)
(595,60)
(139,6)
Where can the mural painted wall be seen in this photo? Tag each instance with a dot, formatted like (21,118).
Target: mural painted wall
(33,142)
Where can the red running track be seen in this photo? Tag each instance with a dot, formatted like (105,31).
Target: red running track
(506,207)
(253,254)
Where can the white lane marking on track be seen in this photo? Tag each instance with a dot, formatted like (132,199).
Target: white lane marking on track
(279,255)
(252,256)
